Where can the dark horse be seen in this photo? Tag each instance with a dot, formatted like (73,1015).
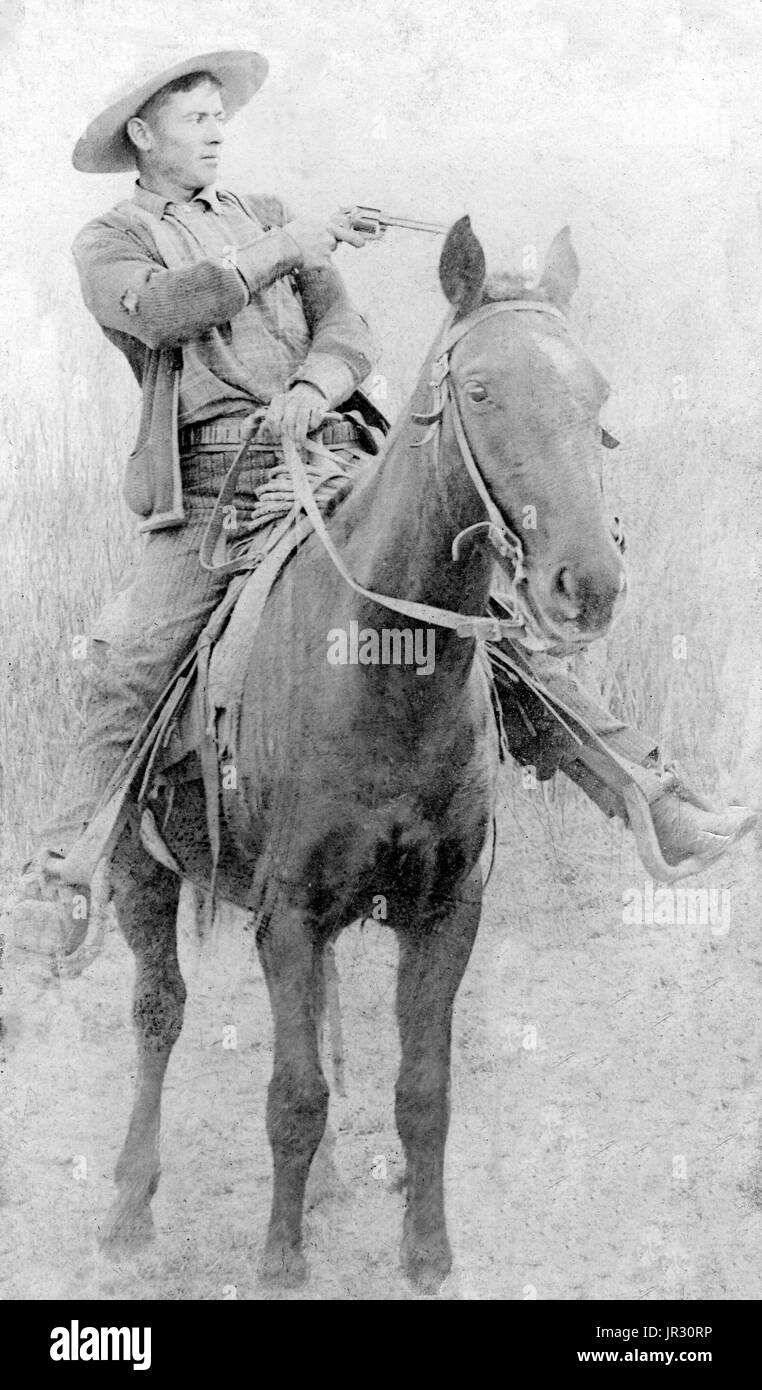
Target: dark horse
(364,781)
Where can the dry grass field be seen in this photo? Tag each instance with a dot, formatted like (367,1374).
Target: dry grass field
(605,1105)
(642,1034)
(607,1085)
(685,479)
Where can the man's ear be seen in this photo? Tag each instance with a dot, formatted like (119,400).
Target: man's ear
(138,134)
(462,267)
(561,270)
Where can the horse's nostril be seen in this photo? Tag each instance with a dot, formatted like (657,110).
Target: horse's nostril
(565,586)
(587,595)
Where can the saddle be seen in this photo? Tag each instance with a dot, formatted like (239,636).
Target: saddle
(198,724)
(197,730)
(179,738)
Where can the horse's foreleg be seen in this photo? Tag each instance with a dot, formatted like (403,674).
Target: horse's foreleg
(324,1179)
(297,1102)
(146,897)
(432,961)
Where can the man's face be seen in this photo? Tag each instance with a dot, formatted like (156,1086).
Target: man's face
(186,134)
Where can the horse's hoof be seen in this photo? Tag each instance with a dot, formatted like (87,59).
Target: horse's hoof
(427,1264)
(126,1231)
(283,1267)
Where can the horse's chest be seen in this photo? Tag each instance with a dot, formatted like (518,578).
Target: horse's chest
(380,808)
(407,850)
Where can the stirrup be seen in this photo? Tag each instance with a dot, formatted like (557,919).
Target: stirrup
(72,965)
(684,789)
(649,849)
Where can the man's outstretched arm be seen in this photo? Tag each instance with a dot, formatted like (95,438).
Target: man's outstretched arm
(128,291)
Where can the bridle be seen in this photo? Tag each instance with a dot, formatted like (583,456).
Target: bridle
(506,544)
(500,536)
(522,627)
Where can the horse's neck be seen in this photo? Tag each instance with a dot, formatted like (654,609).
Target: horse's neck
(401,522)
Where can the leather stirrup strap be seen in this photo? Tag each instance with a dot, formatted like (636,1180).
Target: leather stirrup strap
(224,498)
(210,772)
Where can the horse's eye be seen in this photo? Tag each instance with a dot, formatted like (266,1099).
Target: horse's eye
(476,392)
(607,440)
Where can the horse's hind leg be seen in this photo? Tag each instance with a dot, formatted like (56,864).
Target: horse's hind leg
(433,958)
(146,897)
(297,1101)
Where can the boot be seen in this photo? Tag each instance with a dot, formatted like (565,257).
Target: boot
(688,827)
(47,918)
(678,832)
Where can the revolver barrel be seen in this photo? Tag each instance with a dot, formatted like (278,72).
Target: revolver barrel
(372,222)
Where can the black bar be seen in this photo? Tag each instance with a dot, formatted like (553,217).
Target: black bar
(215,1337)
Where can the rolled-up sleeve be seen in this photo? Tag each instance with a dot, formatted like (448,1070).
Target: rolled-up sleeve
(128,291)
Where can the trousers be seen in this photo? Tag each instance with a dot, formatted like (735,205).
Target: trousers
(156,617)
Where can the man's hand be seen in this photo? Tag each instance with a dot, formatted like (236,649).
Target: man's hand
(296,413)
(318,240)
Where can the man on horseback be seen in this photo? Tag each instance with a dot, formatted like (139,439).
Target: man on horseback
(222,305)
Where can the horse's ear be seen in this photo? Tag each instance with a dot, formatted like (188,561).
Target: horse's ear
(462,266)
(561,270)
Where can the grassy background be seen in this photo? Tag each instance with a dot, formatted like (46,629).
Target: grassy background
(640,132)
(639,125)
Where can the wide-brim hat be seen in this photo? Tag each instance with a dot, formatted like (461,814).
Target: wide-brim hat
(105,147)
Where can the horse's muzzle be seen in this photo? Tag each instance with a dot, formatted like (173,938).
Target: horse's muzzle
(580,602)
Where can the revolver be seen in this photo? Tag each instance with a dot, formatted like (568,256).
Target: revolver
(372,222)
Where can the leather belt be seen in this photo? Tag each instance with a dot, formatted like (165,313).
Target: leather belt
(222,434)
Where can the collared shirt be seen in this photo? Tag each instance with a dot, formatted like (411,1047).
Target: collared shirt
(173,309)
(235,366)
